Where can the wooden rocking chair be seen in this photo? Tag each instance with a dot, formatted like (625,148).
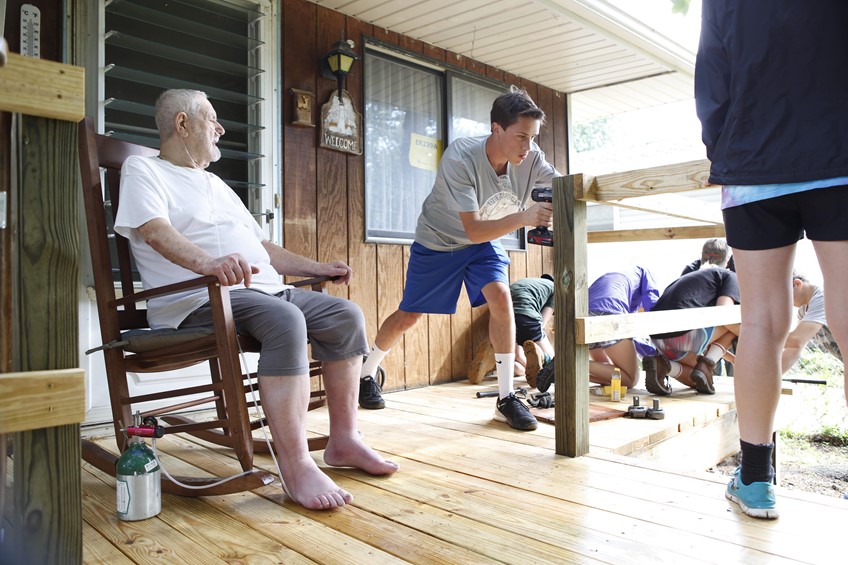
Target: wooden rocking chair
(130,346)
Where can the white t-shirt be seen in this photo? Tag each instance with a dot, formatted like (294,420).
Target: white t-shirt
(467,182)
(814,312)
(200,206)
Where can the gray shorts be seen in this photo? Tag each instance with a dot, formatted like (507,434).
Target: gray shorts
(284,323)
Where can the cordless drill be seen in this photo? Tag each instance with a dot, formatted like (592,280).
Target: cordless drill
(541,235)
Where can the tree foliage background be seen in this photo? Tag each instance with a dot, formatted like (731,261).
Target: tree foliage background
(679,6)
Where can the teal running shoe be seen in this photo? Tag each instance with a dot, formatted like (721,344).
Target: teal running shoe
(756,500)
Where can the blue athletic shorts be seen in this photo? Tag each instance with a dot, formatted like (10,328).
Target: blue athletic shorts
(434,278)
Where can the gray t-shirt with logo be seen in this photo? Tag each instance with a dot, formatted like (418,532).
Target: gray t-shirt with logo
(467,182)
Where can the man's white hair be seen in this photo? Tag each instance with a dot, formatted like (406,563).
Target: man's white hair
(172,102)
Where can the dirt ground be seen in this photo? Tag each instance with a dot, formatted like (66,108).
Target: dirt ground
(807,466)
(806,412)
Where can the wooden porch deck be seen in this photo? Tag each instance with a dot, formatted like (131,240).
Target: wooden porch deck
(472,491)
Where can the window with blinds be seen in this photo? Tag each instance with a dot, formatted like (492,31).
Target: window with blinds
(412,112)
(209,45)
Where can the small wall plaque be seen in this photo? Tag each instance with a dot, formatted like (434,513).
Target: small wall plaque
(302,110)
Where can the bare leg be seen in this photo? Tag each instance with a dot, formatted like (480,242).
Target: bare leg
(601,367)
(621,355)
(831,256)
(546,346)
(501,331)
(520,361)
(724,335)
(285,400)
(394,327)
(766,298)
(345,448)
(501,317)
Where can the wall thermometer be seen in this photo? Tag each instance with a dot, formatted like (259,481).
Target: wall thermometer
(30,31)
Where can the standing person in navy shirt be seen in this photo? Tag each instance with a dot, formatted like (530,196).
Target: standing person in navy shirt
(770,94)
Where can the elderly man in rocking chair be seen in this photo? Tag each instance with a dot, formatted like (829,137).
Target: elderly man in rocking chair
(183,221)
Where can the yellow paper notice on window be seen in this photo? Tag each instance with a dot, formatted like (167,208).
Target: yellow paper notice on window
(424,152)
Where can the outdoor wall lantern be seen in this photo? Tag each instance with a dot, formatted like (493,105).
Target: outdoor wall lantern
(338,61)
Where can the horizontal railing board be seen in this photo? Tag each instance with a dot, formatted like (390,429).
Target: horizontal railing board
(39,87)
(593,329)
(41,399)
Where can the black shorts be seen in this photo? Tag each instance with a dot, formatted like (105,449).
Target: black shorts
(821,214)
(527,328)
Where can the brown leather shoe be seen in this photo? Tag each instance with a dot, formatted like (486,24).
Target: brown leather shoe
(535,360)
(483,363)
(656,374)
(702,375)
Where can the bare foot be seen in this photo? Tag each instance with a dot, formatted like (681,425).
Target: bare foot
(307,485)
(352,452)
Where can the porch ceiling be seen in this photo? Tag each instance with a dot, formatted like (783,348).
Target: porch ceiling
(567,45)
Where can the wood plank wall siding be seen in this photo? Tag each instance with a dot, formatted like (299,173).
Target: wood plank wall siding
(323,197)
(323,190)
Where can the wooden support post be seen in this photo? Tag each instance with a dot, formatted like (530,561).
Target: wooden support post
(47,476)
(571,293)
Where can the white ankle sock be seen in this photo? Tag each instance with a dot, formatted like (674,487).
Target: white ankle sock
(504,366)
(369,367)
(676,369)
(715,352)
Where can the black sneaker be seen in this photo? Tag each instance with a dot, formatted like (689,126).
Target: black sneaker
(545,378)
(370,396)
(515,413)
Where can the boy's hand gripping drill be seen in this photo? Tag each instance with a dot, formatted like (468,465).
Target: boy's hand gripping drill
(541,235)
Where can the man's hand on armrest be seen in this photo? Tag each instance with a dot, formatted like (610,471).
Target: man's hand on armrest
(338,272)
(230,269)
(287,263)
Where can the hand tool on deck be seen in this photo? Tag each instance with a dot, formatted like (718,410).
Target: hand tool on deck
(522,391)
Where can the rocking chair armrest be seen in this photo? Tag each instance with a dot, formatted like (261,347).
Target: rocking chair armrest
(317,283)
(198,282)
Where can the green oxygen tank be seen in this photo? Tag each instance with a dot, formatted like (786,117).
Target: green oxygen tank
(139,480)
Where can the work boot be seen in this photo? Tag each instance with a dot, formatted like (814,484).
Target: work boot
(702,375)
(546,377)
(656,369)
(535,361)
(483,363)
